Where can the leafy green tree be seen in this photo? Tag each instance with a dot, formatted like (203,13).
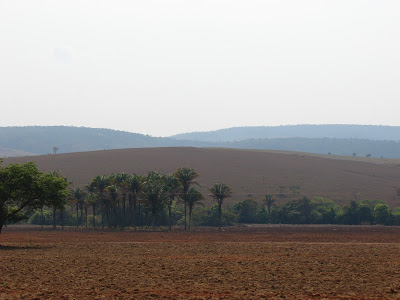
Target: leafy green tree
(220,191)
(247,211)
(194,198)
(269,202)
(121,181)
(351,213)
(186,177)
(23,188)
(365,213)
(382,214)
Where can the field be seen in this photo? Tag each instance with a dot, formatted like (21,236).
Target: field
(251,262)
(250,173)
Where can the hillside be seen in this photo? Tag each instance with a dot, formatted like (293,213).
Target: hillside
(370,132)
(42,139)
(250,173)
(31,140)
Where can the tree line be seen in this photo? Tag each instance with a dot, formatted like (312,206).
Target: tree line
(130,200)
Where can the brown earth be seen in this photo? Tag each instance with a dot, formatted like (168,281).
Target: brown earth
(249,172)
(268,262)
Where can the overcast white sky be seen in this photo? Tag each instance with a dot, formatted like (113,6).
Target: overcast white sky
(166,67)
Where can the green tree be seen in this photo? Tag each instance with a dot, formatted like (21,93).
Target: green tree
(155,193)
(382,214)
(194,198)
(220,191)
(269,202)
(186,177)
(135,187)
(99,184)
(78,197)
(23,188)
(247,211)
(173,187)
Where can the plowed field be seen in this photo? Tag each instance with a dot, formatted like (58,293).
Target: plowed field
(298,262)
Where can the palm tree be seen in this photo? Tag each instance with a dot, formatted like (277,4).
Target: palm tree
(269,202)
(78,196)
(220,191)
(135,185)
(121,181)
(112,192)
(173,187)
(193,199)
(100,183)
(155,193)
(186,177)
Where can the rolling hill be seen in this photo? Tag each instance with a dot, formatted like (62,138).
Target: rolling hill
(31,140)
(250,173)
(340,131)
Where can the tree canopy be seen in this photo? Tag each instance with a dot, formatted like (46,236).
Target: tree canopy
(23,188)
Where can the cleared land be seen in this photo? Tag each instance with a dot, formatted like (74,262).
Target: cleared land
(299,262)
(249,172)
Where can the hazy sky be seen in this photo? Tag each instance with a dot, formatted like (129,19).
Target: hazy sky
(166,67)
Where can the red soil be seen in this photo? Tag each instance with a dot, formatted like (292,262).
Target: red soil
(299,262)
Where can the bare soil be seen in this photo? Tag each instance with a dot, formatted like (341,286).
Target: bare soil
(254,262)
(250,173)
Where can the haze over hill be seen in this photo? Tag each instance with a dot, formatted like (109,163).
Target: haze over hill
(250,173)
(369,132)
(19,141)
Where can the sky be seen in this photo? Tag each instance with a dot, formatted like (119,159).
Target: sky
(166,67)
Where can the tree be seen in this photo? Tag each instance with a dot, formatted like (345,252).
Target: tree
(186,177)
(269,202)
(23,188)
(194,198)
(173,187)
(382,214)
(99,184)
(55,149)
(155,193)
(135,186)
(220,191)
(78,196)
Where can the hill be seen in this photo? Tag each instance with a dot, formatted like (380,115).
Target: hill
(31,140)
(250,173)
(42,139)
(370,132)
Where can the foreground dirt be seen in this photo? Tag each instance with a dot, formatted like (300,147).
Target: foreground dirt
(298,262)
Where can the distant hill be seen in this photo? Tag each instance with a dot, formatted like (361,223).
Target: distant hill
(42,139)
(36,140)
(370,132)
(347,147)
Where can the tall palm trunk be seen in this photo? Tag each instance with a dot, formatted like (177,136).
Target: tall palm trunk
(77,213)
(134,212)
(54,217)
(94,216)
(185,212)
(190,215)
(86,208)
(41,217)
(153,222)
(62,218)
(219,215)
(123,210)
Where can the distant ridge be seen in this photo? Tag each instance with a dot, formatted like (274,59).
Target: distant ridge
(369,132)
(37,140)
